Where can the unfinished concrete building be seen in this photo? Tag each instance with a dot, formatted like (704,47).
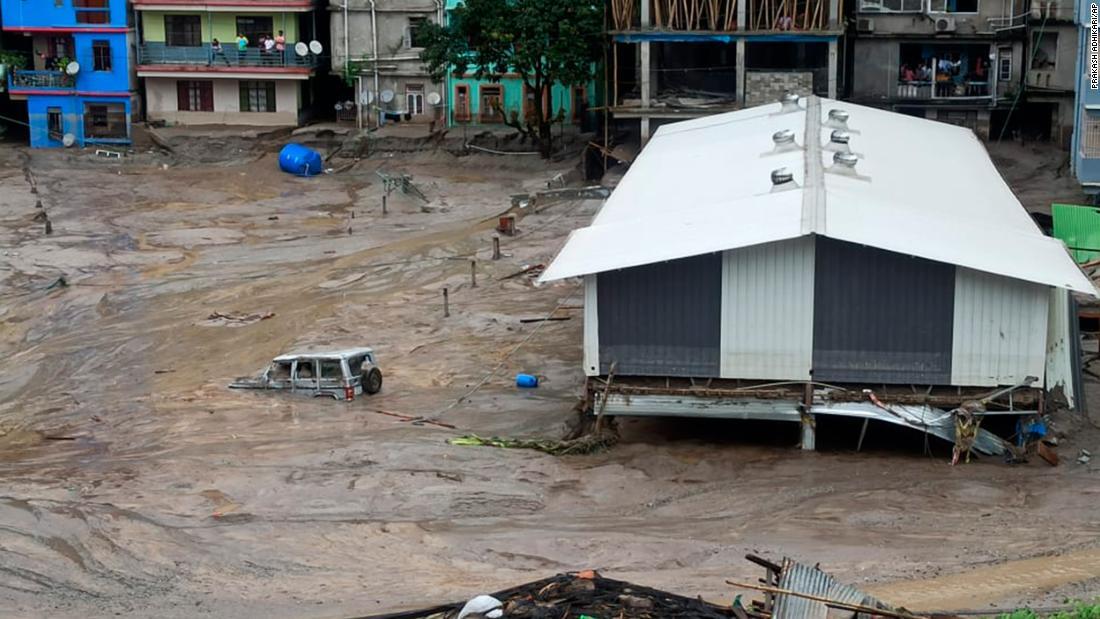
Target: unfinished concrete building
(781,263)
(677,59)
(375,46)
(1048,111)
(956,61)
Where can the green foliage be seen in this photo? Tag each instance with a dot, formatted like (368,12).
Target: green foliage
(353,69)
(542,41)
(1081,611)
(13,60)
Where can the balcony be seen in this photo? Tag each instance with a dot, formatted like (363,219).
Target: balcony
(942,90)
(161,54)
(43,80)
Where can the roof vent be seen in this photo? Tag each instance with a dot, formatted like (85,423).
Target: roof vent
(844,163)
(789,103)
(838,119)
(784,141)
(782,180)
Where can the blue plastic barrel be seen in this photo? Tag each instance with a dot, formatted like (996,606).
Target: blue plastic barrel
(527,381)
(299,160)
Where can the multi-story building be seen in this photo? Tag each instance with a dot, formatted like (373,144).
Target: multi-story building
(205,61)
(77,82)
(677,59)
(957,61)
(1085,149)
(1050,74)
(375,45)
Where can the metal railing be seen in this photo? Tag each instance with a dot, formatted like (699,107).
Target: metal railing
(41,79)
(968,89)
(229,56)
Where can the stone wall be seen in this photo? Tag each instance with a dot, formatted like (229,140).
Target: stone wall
(769,86)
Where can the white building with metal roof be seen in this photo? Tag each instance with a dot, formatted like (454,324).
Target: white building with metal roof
(825,244)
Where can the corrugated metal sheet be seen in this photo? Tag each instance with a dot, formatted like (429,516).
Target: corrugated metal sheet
(1079,227)
(768,311)
(881,317)
(699,406)
(812,581)
(591,327)
(1059,353)
(662,319)
(920,418)
(1000,329)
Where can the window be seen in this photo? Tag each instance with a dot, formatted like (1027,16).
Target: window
(105,120)
(53,123)
(92,11)
(413,33)
(1090,137)
(1045,45)
(953,6)
(101,55)
(257,96)
(183,30)
(254,28)
(891,6)
(414,99)
(492,104)
(462,103)
(1004,65)
(195,96)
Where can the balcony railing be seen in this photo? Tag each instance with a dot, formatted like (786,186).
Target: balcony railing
(968,89)
(41,79)
(161,54)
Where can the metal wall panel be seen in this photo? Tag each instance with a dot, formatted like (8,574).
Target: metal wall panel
(662,319)
(1000,329)
(768,311)
(1060,336)
(591,327)
(881,317)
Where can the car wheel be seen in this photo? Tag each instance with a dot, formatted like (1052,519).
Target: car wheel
(372,381)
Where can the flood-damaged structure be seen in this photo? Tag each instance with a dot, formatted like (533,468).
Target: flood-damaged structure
(679,59)
(792,260)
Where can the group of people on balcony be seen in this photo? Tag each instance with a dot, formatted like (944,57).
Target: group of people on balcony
(948,75)
(272,49)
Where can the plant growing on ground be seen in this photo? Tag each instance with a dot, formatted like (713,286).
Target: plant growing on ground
(542,41)
(1082,611)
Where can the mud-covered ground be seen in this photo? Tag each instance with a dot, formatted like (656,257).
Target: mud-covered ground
(134,483)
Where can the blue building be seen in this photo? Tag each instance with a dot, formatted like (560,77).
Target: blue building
(1086,131)
(77,80)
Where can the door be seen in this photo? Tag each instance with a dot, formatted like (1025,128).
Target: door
(491,105)
(414,99)
(305,375)
(462,103)
(332,376)
(278,375)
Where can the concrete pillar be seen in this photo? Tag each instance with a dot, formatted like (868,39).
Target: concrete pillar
(740,67)
(645,129)
(645,74)
(832,68)
(742,15)
(834,14)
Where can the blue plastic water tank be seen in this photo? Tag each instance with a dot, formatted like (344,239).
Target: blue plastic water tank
(299,160)
(527,381)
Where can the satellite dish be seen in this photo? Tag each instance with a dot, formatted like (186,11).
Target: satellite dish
(349,104)
(366,97)
(68,140)
(315,47)
(301,49)
(339,107)
(387,96)
(72,68)
(434,98)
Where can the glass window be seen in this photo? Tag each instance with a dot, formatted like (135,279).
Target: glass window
(183,30)
(101,55)
(254,28)
(953,6)
(92,11)
(891,6)
(257,96)
(105,120)
(195,96)
(53,122)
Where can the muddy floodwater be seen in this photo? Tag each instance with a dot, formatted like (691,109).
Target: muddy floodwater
(134,483)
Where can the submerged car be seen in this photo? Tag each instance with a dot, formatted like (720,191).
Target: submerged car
(339,374)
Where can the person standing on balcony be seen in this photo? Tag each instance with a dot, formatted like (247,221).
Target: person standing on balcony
(280,45)
(216,51)
(269,49)
(242,46)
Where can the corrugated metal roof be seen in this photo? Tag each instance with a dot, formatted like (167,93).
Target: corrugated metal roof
(812,581)
(704,185)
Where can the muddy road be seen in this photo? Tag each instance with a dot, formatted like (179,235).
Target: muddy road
(133,483)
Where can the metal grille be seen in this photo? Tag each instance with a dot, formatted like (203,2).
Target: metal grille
(1090,138)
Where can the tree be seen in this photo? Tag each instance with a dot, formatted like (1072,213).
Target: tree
(543,41)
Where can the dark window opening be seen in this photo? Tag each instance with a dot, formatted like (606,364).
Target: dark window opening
(414,34)
(257,96)
(492,104)
(195,96)
(101,55)
(92,11)
(105,120)
(53,123)
(183,30)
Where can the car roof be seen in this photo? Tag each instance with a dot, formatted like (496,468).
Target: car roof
(344,353)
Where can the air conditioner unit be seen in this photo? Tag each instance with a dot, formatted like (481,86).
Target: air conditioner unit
(945,24)
(865,24)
